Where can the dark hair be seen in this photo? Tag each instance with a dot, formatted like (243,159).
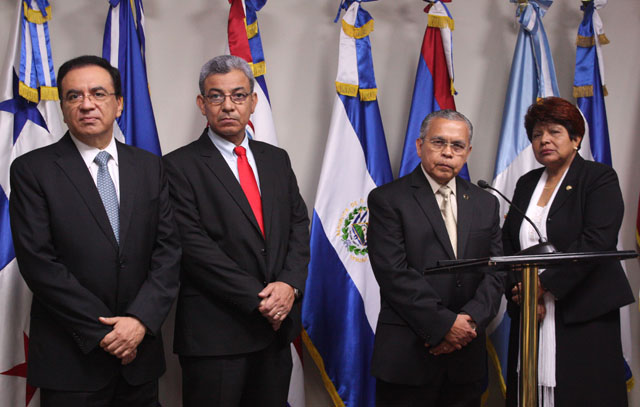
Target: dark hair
(558,111)
(447,114)
(88,60)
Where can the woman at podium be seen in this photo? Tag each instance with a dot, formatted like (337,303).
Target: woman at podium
(577,205)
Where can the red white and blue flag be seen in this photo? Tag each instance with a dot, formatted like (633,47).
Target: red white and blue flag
(29,118)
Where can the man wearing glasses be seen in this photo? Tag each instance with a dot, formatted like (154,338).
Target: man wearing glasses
(96,242)
(430,339)
(245,238)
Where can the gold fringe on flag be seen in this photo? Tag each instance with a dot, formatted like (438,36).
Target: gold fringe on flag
(583,91)
(35,16)
(346,89)
(587,42)
(28,93)
(328,384)
(252,30)
(48,93)
(259,68)
(357,32)
(605,92)
(368,95)
(453,89)
(440,22)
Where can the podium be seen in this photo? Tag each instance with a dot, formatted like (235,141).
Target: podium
(529,266)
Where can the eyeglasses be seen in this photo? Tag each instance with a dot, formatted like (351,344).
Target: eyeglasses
(218,98)
(438,144)
(97,96)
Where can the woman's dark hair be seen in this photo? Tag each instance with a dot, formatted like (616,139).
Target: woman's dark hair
(558,111)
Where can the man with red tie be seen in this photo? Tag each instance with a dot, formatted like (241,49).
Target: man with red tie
(244,230)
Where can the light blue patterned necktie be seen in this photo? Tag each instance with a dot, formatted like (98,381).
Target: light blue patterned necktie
(107,191)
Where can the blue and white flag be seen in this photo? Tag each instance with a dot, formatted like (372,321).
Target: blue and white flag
(29,118)
(589,90)
(123,46)
(342,298)
(532,76)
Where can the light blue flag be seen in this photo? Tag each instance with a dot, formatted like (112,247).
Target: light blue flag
(589,90)
(342,298)
(532,76)
(124,46)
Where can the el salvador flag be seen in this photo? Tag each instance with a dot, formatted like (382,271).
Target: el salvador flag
(342,299)
(532,76)
(124,47)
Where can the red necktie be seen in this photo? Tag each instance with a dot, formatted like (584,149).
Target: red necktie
(249,185)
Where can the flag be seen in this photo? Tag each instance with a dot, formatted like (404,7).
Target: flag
(532,76)
(589,90)
(245,42)
(123,46)
(433,89)
(342,299)
(29,118)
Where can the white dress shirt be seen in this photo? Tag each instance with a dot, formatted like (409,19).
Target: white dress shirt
(226,149)
(89,154)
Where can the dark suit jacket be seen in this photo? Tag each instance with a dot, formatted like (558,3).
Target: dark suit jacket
(69,258)
(226,261)
(407,235)
(585,216)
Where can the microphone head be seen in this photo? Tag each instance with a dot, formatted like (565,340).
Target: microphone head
(483,184)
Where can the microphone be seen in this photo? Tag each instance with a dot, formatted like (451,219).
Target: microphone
(543,246)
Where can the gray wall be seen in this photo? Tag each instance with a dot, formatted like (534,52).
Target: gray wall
(300,43)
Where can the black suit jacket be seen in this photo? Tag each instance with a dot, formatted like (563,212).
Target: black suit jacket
(68,255)
(407,235)
(226,261)
(585,216)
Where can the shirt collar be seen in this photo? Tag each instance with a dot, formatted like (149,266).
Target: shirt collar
(435,186)
(89,153)
(225,146)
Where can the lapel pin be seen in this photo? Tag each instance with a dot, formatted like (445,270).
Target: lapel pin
(569,188)
(465,196)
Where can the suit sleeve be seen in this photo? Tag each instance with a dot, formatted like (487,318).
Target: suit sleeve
(294,271)
(209,267)
(404,288)
(486,301)
(153,301)
(602,213)
(72,305)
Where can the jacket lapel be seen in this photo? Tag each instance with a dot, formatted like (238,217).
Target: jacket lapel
(569,184)
(71,163)
(427,202)
(128,179)
(465,211)
(216,163)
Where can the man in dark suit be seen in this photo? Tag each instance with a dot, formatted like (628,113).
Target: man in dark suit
(244,231)
(430,339)
(96,242)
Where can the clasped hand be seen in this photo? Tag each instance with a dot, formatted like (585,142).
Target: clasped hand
(122,342)
(277,300)
(460,334)
(516,297)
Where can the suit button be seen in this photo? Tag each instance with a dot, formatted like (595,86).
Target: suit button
(263,252)
(264,283)
(458,283)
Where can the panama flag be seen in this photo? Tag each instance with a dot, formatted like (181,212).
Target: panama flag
(532,76)
(123,46)
(342,299)
(29,118)
(433,89)
(245,42)
(589,90)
